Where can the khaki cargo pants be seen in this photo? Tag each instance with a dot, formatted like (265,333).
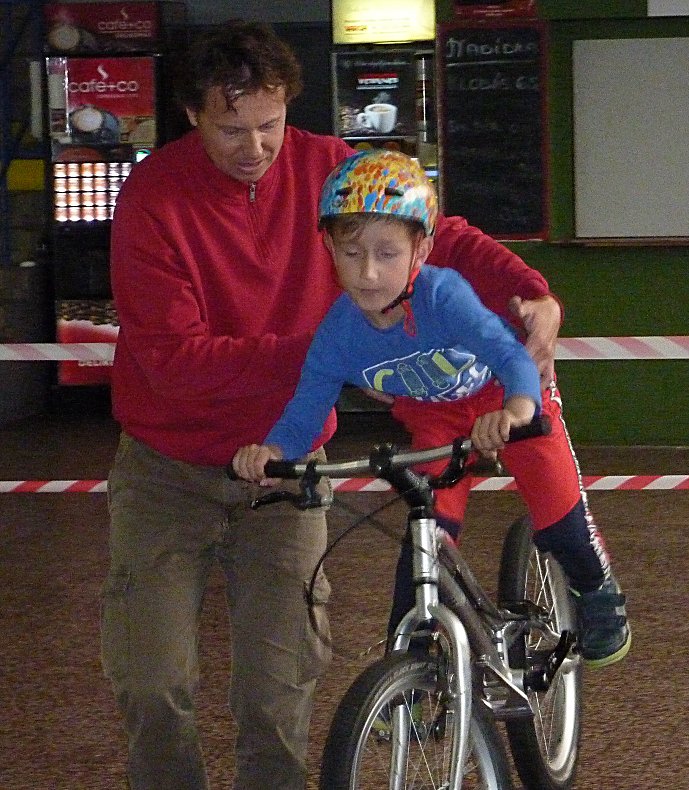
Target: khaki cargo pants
(170,522)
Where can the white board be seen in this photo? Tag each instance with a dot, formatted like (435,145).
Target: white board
(668,7)
(631,137)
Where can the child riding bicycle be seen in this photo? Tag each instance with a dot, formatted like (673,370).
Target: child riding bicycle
(418,332)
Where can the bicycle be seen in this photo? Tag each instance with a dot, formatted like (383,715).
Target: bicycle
(429,719)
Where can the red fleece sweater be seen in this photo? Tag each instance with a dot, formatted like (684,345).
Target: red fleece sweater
(219,287)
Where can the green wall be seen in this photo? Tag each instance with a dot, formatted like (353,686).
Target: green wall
(613,291)
(608,290)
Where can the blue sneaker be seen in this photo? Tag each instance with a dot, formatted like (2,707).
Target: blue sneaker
(604,633)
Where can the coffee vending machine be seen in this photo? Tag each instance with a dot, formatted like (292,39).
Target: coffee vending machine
(107,108)
(382,76)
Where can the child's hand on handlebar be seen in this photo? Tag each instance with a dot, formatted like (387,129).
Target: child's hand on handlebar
(492,430)
(249,462)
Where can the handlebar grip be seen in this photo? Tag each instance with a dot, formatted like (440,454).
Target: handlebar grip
(281,469)
(539,426)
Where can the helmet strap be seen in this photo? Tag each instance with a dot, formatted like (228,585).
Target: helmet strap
(409,320)
(403,299)
(405,295)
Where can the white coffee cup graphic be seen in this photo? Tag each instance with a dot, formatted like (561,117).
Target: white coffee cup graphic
(380,117)
(93,125)
(87,119)
(66,38)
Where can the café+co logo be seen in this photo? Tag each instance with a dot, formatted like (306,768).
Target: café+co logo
(125,24)
(103,84)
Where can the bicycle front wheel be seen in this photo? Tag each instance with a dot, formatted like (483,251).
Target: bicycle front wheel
(545,748)
(393,731)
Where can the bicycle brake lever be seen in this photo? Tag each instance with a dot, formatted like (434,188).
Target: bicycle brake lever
(306,500)
(273,497)
(486,467)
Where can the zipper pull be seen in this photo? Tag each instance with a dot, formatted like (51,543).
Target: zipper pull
(252,192)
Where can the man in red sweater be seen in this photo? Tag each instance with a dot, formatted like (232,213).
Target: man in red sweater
(220,278)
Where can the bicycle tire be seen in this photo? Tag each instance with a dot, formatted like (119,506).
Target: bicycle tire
(545,749)
(357,752)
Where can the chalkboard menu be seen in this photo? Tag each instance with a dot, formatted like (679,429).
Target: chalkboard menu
(492,126)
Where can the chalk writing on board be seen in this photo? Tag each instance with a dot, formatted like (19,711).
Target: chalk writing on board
(493,170)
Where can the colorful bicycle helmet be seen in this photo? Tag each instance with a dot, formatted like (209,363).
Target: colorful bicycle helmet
(379,181)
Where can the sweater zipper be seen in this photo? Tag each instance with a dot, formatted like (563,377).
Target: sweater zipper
(252,192)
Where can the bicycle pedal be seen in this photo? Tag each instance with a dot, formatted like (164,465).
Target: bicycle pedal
(546,663)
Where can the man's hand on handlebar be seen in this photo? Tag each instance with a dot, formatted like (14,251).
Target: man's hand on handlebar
(249,462)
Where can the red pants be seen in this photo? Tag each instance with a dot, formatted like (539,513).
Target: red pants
(545,469)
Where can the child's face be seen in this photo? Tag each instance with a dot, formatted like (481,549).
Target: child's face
(373,265)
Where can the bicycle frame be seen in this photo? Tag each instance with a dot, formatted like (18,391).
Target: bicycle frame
(425,536)
(478,632)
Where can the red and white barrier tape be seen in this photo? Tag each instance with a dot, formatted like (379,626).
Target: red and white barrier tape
(676,347)
(367,484)
(591,483)
(58,352)
(568,348)
(53,486)
(650,347)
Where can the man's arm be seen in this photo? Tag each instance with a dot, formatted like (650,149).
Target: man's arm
(541,318)
(319,387)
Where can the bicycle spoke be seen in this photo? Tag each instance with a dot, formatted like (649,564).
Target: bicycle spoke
(417,743)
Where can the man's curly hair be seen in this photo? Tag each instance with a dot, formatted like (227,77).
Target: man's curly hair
(241,58)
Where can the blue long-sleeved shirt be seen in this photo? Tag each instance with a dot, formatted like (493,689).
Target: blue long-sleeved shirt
(458,347)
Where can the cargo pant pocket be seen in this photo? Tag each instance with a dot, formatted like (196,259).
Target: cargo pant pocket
(316,645)
(115,626)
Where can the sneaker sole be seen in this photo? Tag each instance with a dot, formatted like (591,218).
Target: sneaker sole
(618,655)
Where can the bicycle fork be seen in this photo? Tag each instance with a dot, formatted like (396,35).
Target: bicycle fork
(459,677)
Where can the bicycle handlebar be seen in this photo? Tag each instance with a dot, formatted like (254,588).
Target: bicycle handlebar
(292,470)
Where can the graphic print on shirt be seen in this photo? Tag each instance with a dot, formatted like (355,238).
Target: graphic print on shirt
(436,375)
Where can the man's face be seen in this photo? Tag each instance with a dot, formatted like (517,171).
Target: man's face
(242,140)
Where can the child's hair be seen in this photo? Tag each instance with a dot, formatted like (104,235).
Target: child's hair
(345,227)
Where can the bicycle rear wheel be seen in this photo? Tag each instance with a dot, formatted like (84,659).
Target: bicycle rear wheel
(545,748)
(404,694)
